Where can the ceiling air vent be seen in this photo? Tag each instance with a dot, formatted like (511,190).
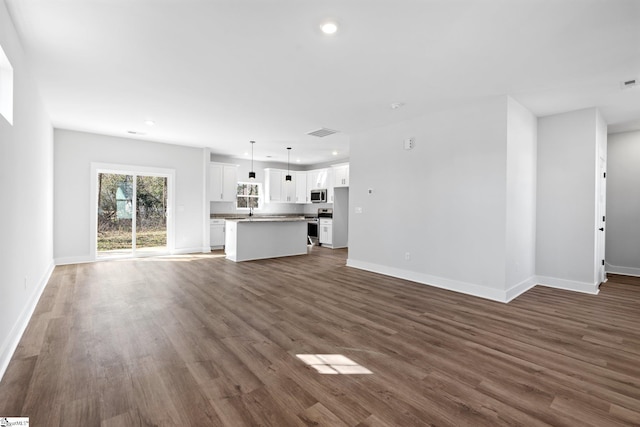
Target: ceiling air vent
(321,133)
(628,84)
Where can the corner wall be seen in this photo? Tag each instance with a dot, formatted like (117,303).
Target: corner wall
(26,179)
(566,202)
(623,204)
(522,140)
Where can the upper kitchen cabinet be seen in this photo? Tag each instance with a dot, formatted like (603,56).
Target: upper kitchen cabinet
(302,195)
(223,182)
(317,178)
(273,180)
(277,189)
(341,175)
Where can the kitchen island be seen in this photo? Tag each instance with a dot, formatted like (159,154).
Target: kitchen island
(258,238)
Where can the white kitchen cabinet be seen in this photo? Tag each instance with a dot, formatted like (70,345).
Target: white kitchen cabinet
(317,179)
(322,179)
(273,185)
(288,188)
(216,235)
(330,179)
(312,178)
(341,175)
(278,190)
(302,195)
(325,234)
(223,182)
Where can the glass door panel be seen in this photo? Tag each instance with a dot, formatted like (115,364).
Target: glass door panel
(151,214)
(115,214)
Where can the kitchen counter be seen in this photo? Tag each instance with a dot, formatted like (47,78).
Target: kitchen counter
(268,219)
(265,237)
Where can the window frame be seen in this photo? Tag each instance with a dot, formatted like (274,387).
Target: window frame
(258,197)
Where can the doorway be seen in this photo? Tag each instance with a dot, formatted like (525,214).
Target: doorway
(132,213)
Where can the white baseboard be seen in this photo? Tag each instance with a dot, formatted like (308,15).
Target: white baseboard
(474,289)
(625,271)
(439,282)
(86,258)
(519,289)
(183,251)
(568,285)
(73,260)
(11,343)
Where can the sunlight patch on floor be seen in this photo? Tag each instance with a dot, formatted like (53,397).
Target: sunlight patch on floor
(333,364)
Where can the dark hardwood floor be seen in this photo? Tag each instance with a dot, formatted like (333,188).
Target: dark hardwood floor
(201,341)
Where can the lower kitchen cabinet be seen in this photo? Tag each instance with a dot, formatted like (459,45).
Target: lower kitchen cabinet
(216,235)
(325,235)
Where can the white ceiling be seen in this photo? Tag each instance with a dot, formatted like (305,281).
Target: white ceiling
(219,73)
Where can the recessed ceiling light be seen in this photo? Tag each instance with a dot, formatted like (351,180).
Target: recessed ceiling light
(397,105)
(329,27)
(149,122)
(298,160)
(335,153)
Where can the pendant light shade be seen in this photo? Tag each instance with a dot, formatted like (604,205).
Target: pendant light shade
(252,174)
(288,177)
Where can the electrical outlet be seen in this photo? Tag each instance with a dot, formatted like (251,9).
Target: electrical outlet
(407,256)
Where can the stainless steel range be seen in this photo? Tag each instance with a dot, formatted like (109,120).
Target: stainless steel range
(313,225)
(325,213)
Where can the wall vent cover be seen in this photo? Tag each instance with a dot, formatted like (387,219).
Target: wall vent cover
(321,133)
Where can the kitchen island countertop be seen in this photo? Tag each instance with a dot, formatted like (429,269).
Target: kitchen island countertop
(268,219)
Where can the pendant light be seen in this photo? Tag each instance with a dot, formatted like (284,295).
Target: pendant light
(252,174)
(288,177)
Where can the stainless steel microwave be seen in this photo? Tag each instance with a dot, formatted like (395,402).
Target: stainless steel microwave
(319,195)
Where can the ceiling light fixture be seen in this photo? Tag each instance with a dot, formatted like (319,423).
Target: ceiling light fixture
(149,122)
(288,177)
(329,27)
(335,153)
(252,174)
(397,105)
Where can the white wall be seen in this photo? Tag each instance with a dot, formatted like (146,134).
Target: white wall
(444,202)
(26,179)
(623,204)
(521,195)
(73,154)
(566,202)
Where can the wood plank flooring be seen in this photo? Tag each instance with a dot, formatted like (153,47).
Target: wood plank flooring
(201,341)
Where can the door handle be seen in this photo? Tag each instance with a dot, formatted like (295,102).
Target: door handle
(601,229)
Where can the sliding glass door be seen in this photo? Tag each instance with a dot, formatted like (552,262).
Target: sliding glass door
(131,214)
(151,214)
